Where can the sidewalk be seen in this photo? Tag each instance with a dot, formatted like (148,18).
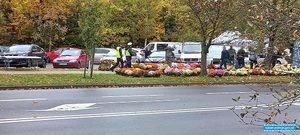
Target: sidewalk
(49,71)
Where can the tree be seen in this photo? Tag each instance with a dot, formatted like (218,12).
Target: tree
(212,16)
(134,19)
(254,110)
(276,20)
(49,19)
(90,24)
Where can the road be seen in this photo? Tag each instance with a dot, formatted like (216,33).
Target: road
(201,110)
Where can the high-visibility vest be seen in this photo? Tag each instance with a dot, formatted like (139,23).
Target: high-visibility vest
(127,53)
(118,52)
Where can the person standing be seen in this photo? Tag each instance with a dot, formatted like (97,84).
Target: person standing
(169,55)
(147,52)
(224,58)
(232,55)
(252,58)
(274,58)
(129,53)
(241,57)
(119,56)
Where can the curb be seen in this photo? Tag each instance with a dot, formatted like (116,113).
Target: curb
(132,85)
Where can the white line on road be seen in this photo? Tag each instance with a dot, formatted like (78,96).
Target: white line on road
(145,101)
(128,96)
(222,93)
(84,106)
(13,100)
(71,107)
(116,114)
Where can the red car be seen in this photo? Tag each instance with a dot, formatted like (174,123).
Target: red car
(71,58)
(55,53)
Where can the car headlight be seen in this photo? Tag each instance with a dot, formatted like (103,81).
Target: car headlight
(54,60)
(72,60)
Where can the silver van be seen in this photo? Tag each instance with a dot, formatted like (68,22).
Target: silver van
(160,46)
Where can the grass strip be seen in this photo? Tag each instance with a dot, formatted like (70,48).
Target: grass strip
(113,79)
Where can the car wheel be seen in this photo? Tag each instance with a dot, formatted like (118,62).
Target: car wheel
(44,64)
(78,65)
(278,62)
(29,63)
(138,61)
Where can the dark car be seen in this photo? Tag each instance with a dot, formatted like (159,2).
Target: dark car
(27,55)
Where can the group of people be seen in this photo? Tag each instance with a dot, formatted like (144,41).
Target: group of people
(128,54)
(230,55)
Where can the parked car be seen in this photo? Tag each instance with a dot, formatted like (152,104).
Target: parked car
(100,52)
(156,57)
(26,55)
(112,56)
(261,58)
(72,58)
(140,55)
(56,52)
(160,46)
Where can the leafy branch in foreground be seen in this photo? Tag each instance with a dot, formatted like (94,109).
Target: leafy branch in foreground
(271,106)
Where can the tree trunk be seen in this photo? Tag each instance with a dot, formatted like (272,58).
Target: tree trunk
(92,60)
(203,59)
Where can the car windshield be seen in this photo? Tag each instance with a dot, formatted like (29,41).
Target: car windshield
(20,48)
(70,53)
(58,50)
(160,54)
(191,48)
(111,54)
(101,50)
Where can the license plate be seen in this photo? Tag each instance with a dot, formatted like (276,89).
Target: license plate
(63,64)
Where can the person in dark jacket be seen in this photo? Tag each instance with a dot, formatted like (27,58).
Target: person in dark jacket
(241,57)
(119,56)
(224,58)
(252,58)
(274,58)
(147,52)
(129,53)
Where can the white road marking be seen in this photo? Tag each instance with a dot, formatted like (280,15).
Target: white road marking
(71,107)
(223,93)
(84,106)
(128,96)
(145,101)
(13,100)
(115,114)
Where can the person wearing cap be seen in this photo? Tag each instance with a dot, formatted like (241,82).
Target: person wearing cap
(119,58)
(129,53)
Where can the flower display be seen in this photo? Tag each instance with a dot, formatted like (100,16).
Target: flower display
(105,65)
(193,69)
(211,72)
(219,72)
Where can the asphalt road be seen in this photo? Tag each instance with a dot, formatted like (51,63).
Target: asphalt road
(127,111)
(49,65)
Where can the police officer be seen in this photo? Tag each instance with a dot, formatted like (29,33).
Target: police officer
(129,53)
(119,58)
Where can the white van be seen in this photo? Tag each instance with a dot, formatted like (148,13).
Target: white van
(160,46)
(215,52)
